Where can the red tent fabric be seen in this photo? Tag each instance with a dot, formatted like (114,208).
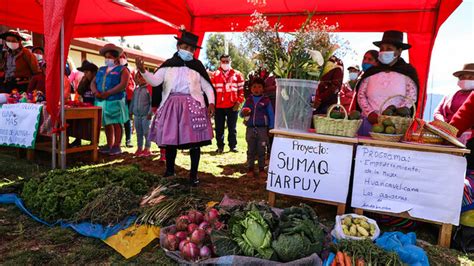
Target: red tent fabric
(419,19)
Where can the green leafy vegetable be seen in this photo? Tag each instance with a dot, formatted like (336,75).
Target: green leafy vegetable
(223,244)
(253,233)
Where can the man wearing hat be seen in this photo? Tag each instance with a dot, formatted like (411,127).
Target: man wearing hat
(20,65)
(182,120)
(392,77)
(347,89)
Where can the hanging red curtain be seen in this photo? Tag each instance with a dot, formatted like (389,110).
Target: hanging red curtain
(54,12)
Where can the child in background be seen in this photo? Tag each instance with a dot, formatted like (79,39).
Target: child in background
(259,118)
(141,109)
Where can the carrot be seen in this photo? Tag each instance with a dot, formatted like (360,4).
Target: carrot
(347,259)
(340,258)
(360,262)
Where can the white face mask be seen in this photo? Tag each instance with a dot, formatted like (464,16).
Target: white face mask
(353,75)
(466,84)
(225,67)
(123,61)
(386,57)
(109,62)
(13,45)
(39,57)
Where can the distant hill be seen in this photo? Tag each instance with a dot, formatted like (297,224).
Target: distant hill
(432,102)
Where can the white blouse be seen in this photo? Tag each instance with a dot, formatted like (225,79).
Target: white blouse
(181,80)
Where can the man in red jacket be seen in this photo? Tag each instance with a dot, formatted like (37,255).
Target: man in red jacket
(229,85)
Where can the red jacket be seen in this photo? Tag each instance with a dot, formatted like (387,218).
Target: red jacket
(464,117)
(130,86)
(229,87)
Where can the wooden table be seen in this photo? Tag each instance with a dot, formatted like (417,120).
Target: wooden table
(83,123)
(444,236)
(341,207)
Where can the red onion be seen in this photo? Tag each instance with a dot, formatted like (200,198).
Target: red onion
(192,227)
(182,243)
(171,242)
(195,216)
(204,225)
(205,252)
(182,223)
(212,215)
(209,230)
(181,235)
(198,236)
(190,252)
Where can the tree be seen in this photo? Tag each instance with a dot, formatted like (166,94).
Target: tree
(137,47)
(122,40)
(215,48)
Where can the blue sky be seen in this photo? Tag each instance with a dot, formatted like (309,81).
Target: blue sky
(453,47)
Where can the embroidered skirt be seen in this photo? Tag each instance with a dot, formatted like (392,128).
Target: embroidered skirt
(181,122)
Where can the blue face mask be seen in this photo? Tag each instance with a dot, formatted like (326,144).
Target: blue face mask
(185,55)
(366,66)
(387,57)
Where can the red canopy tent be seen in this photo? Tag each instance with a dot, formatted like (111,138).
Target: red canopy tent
(87,18)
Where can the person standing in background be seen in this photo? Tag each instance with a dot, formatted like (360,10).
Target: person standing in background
(229,85)
(129,93)
(347,90)
(20,65)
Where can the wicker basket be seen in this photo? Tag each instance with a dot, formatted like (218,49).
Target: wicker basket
(401,123)
(386,137)
(338,127)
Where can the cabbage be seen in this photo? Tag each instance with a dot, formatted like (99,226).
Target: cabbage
(253,235)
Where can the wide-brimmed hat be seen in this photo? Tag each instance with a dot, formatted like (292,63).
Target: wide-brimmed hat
(110,47)
(37,48)
(394,37)
(86,65)
(467,69)
(12,33)
(189,38)
(446,131)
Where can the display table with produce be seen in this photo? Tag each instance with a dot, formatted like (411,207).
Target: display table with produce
(82,122)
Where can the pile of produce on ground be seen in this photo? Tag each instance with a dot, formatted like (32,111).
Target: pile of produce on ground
(105,195)
(362,252)
(251,230)
(192,234)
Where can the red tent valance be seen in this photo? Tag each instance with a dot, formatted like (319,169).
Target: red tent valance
(419,19)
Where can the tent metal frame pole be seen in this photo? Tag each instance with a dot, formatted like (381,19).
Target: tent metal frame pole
(62,151)
(53,151)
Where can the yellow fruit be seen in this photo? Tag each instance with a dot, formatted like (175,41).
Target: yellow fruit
(365,225)
(353,230)
(362,231)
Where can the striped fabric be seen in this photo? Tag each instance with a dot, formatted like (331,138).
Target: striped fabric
(468,196)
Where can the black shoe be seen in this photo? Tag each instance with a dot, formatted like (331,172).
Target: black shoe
(194,182)
(129,144)
(168,174)
(220,151)
(234,150)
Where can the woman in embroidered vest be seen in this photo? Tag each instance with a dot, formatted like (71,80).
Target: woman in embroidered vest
(109,88)
(182,120)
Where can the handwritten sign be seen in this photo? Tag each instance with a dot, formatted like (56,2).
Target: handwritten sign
(19,124)
(427,185)
(310,169)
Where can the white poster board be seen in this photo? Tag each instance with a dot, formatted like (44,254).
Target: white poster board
(310,169)
(19,124)
(428,185)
